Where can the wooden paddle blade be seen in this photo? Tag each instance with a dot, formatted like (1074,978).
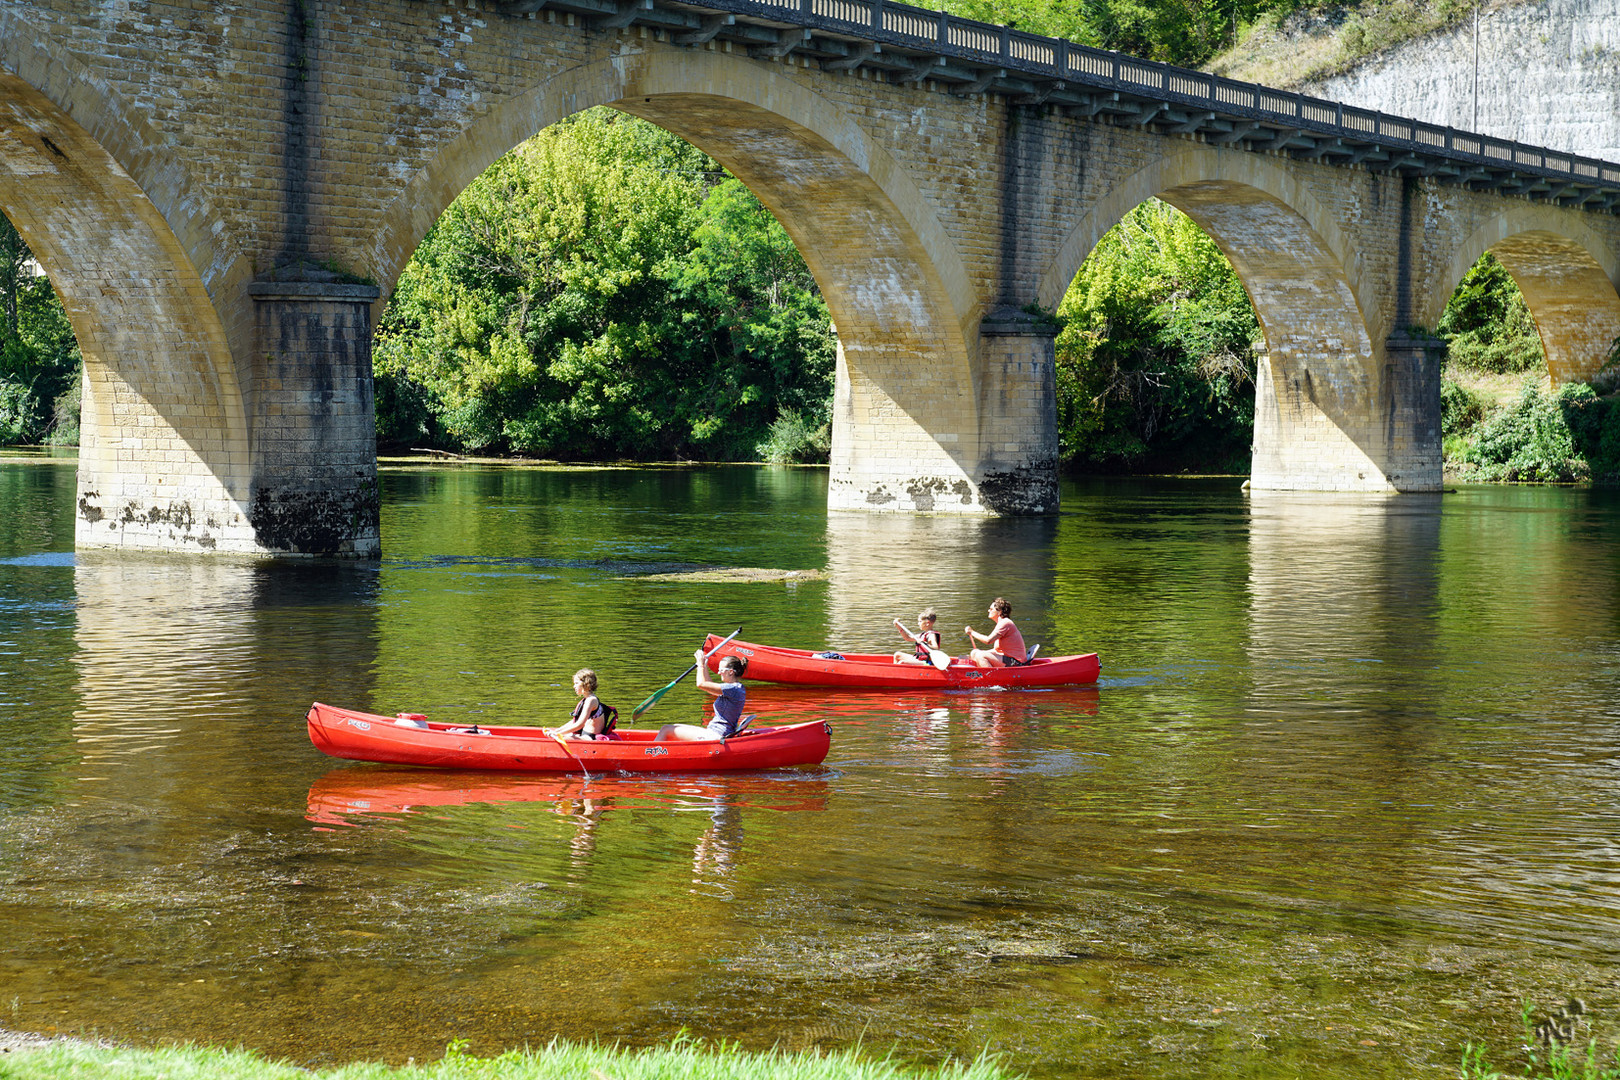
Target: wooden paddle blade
(939,658)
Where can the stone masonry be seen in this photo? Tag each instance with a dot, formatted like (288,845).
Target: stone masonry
(224,193)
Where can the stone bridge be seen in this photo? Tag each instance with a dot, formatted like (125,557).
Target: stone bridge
(223,193)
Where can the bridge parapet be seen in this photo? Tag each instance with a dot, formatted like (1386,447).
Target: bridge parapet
(910,45)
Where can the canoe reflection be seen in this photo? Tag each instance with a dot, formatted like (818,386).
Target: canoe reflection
(352,791)
(792,705)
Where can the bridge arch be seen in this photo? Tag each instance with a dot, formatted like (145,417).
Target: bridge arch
(160,383)
(906,308)
(1567,274)
(1323,414)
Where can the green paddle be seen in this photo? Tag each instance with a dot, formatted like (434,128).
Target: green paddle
(652,699)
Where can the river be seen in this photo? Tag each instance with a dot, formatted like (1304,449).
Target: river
(1345,798)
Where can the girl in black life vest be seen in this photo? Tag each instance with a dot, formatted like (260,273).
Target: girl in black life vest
(588,720)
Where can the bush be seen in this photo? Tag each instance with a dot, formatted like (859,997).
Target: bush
(65,413)
(793,440)
(1594,425)
(1155,357)
(18,417)
(1529,440)
(1460,408)
(1487,325)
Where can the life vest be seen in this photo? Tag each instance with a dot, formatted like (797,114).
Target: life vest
(923,645)
(609,715)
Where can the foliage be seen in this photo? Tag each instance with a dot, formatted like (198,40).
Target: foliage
(1529,440)
(1154,360)
(792,440)
(682,1056)
(1487,325)
(17,412)
(603,291)
(1185,32)
(1563,1059)
(1460,407)
(39,356)
(1594,426)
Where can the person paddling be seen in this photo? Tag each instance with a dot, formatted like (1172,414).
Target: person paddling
(1006,643)
(926,639)
(729,698)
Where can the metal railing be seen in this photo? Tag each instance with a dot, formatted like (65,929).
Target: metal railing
(1043,59)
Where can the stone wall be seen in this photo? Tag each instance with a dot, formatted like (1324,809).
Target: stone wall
(1548,75)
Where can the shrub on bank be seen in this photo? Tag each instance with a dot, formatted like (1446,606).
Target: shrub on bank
(1528,441)
(793,440)
(683,1057)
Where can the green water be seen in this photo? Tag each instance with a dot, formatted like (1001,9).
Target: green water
(1345,796)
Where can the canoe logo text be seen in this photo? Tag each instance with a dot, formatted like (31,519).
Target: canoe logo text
(746,652)
(363,725)
(655,751)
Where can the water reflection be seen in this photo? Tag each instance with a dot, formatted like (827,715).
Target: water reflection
(1336,579)
(1347,780)
(886,566)
(170,651)
(346,794)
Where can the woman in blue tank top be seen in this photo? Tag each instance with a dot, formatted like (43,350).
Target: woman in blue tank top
(729,698)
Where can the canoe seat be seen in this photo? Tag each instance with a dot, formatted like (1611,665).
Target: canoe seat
(1030,656)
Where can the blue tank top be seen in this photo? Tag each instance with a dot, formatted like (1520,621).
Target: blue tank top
(728,706)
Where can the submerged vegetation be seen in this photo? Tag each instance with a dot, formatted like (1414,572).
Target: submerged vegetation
(682,1057)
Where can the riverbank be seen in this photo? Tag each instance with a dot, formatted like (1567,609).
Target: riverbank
(28,1057)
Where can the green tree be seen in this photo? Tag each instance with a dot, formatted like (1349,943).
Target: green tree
(603,291)
(39,356)
(1154,364)
(1183,32)
(1487,324)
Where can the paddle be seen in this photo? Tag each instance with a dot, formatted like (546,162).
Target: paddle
(562,742)
(938,657)
(652,699)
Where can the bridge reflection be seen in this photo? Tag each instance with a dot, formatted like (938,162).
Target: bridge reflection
(187,669)
(1337,579)
(886,566)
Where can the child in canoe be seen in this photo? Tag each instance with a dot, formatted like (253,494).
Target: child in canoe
(926,638)
(729,698)
(590,719)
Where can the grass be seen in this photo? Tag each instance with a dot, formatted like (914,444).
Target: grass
(1562,1063)
(685,1058)
(1320,41)
(1501,389)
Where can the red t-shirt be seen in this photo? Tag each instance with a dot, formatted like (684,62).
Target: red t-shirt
(1005,638)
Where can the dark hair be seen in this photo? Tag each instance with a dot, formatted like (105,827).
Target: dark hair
(735,663)
(1001,607)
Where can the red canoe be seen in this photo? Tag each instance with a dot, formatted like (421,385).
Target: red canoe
(363,736)
(878,671)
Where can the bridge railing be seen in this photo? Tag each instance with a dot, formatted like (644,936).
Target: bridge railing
(1042,60)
